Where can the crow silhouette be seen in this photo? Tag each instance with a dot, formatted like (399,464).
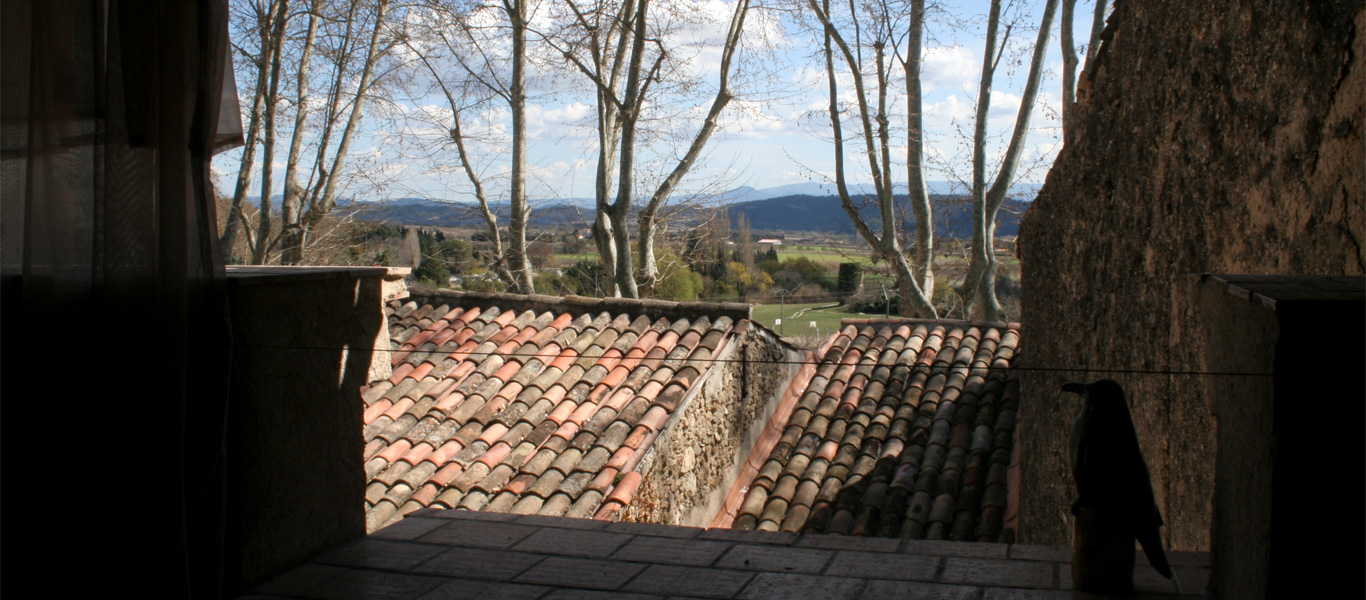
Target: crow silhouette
(1107,465)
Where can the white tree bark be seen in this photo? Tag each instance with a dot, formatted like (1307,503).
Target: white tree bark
(603,42)
(918,192)
(1069,57)
(1069,65)
(606,38)
(292,234)
(321,204)
(318,193)
(519,262)
(979,286)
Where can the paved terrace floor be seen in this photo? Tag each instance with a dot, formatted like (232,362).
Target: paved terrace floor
(435,554)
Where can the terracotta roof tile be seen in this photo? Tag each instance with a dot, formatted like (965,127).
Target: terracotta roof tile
(905,430)
(527,404)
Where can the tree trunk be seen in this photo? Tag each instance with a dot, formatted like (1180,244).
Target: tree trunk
(605,72)
(625,277)
(1097,25)
(917,192)
(649,216)
(979,286)
(649,266)
(330,180)
(292,239)
(625,272)
(519,262)
(260,252)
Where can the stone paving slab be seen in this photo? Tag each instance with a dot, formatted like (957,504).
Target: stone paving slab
(693,581)
(672,551)
(480,563)
(434,554)
(574,542)
(777,559)
(873,565)
(457,589)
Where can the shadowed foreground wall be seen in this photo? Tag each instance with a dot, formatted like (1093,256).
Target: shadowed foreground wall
(302,340)
(1215,137)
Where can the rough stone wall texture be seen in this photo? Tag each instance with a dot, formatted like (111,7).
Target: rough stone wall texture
(300,357)
(696,459)
(1220,137)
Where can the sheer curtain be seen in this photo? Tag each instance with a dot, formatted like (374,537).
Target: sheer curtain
(116,340)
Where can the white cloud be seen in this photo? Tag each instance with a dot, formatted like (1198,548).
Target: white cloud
(941,116)
(949,67)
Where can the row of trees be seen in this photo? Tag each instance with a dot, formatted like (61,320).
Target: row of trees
(280,40)
(888,36)
(326,62)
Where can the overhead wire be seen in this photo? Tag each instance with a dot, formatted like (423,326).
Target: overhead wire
(818,361)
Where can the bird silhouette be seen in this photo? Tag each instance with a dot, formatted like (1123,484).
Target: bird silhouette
(1112,479)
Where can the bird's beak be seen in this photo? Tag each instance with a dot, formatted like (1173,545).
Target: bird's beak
(1075,388)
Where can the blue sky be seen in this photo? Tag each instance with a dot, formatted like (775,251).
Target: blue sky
(775,133)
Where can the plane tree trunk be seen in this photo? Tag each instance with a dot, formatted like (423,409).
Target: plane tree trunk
(979,285)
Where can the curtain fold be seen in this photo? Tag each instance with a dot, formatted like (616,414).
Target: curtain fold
(110,113)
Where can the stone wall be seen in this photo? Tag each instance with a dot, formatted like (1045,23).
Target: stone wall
(698,456)
(302,340)
(1215,137)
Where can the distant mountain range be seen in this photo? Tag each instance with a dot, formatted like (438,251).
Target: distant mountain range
(1023,191)
(952,215)
(797,207)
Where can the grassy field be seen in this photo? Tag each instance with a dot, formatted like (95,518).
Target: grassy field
(566,260)
(826,315)
(824,254)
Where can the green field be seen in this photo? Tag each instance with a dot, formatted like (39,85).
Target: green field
(827,316)
(825,257)
(824,254)
(566,260)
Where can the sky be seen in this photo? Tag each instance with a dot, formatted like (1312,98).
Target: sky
(776,132)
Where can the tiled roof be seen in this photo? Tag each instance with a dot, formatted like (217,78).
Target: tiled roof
(906,430)
(528,404)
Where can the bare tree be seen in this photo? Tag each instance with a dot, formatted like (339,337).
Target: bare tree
(598,45)
(650,215)
(474,55)
(456,90)
(264,24)
(320,191)
(979,285)
(356,43)
(917,192)
(877,139)
(612,45)
(292,234)
(520,263)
